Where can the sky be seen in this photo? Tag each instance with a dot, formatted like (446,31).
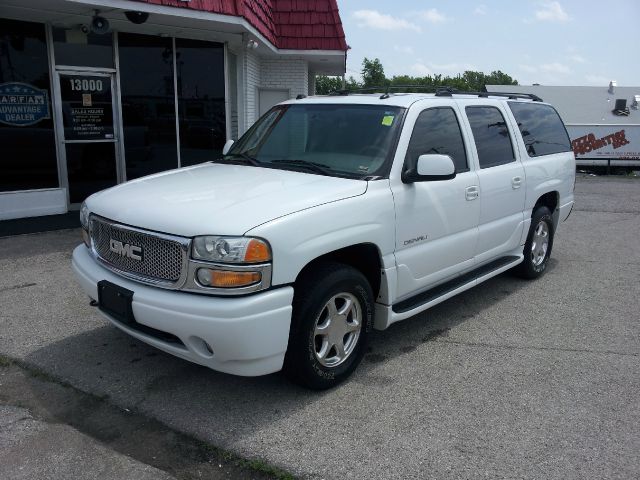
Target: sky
(566,42)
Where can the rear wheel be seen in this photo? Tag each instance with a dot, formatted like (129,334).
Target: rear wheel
(332,316)
(537,249)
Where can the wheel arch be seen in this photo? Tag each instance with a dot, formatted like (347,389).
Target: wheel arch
(551,200)
(364,257)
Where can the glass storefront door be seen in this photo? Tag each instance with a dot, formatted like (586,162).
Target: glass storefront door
(89,135)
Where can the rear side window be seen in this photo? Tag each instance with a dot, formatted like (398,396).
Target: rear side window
(542,130)
(437,131)
(491,135)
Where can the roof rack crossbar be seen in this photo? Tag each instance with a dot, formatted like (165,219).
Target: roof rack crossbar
(448,91)
(383,89)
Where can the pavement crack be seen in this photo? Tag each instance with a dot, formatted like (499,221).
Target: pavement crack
(541,349)
(16,287)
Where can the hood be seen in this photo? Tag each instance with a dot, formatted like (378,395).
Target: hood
(217,199)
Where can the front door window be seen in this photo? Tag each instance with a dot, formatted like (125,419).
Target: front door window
(89,134)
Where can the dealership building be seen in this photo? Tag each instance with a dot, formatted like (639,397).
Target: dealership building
(97,92)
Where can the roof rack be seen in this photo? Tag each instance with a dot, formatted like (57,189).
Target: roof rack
(448,91)
(385,89)
(439,92)
(345,92)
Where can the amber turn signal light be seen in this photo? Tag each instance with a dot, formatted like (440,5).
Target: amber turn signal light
(85,238)
(257,251)
(227,279)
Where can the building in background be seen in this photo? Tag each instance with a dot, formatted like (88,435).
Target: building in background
(97,92)
(603,122)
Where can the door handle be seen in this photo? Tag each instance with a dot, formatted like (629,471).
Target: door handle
(516,182)
(472,192)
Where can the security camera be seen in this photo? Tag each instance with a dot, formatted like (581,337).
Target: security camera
(99,25)
(136,17)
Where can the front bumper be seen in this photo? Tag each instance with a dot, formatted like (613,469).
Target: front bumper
(248,335)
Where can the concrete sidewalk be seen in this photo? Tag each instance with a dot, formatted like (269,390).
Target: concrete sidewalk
(49,429)
(33,449)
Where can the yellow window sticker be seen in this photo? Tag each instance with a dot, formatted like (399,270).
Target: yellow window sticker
(387,120)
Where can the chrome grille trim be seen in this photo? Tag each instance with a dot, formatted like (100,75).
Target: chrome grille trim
(165,257)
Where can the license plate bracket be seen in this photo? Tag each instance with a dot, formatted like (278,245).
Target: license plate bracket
(116,301)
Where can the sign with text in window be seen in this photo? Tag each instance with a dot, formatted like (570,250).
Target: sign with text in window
(87,107)
(22,105)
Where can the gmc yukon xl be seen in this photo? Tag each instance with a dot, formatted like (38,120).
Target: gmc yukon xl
(329,217)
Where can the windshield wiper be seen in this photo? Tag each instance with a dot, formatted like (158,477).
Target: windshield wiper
(247,158)
(313,166)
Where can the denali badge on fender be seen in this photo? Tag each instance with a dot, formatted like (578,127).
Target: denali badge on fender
(131,251)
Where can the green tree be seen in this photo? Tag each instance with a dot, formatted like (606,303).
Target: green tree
(373,76)
(326,85)
(373,73)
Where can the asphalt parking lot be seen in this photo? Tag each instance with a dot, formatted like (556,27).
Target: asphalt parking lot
(513,379)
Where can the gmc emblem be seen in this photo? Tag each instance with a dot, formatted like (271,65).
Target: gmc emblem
(130,251)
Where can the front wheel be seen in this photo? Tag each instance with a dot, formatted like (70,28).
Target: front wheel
(332,316)
(537,249)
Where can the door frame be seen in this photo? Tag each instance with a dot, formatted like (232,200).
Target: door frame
(107,73)
(260,90)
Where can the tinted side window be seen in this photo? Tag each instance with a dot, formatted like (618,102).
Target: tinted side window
(542,130)
(437,131)
(491,135)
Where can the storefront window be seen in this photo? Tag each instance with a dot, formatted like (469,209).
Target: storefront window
(200,67)
(73,47)
(28,158)
(148,104)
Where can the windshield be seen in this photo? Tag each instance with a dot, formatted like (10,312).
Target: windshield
(342,140)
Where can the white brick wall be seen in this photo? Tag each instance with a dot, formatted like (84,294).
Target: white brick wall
(283,73)
(269,73)
(252,75)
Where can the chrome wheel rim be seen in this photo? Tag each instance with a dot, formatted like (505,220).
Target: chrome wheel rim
(337,329)
(539,243)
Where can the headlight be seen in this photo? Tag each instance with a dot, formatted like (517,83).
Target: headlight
(231,249)
(84,223)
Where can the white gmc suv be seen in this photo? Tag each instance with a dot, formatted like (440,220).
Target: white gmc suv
(329,217)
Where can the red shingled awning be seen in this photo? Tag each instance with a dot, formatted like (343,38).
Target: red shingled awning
(287,24)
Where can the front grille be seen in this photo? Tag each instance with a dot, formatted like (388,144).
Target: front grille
(162,259)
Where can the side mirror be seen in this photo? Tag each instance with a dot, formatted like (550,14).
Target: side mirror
(431,167)
(227,147)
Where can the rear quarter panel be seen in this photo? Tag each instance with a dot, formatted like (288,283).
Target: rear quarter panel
(544,174)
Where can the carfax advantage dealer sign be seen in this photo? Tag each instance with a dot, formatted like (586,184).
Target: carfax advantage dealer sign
(605,141)
(22,105)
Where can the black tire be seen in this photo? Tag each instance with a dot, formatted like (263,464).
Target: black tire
(534,263)
(314,290)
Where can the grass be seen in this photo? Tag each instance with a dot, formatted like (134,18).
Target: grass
(5,361)
(256,465)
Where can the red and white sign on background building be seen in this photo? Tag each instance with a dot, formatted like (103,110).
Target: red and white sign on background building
(620,142)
